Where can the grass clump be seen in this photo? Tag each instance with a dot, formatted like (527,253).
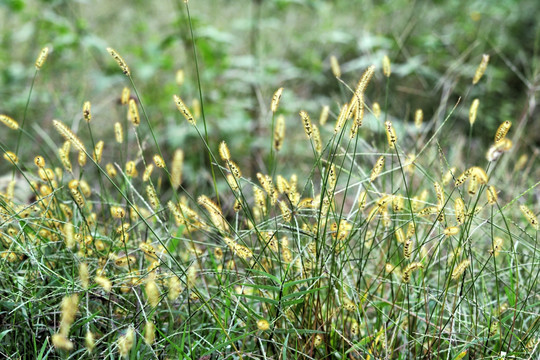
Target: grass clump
(380,240)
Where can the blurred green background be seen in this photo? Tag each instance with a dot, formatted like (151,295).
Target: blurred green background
(247,49)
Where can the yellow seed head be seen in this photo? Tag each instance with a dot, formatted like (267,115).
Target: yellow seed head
(152,197)
(98,151)
(118,212)
(342,118)
(40,162)
(406,274)
(491,195)
(390,134)
(87,115)
(41,58)
(184,110)
(120,61)
(279,132)
(131,169)
(497,246)
(418,118)
(69,135)
(81,159)
(133,113)
(451,231)
(317,142)
(460,268)
(502,130)
(362,200)
(306,121)
(177,168)
(473,185)
(126,341)
(118,132)
(84,275)
(481,69)
(275,99)
(530,216)
(386,66)
(473,110)
(61,342)
(105,283)
(334,64)
(158,160)
(224,151)
(376,109)
(126,95)
(9,122)
(152,293)
(497,149)
(175,288)
(149,332)
(379,165)
(89,341)
(407,248)
(263,325)
(11,157)
(148,172)
(459,206)
(111,170)
(324,115)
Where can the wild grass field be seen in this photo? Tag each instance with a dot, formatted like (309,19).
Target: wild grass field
(279,179)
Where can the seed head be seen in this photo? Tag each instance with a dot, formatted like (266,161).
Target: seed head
(481,69)
(184,110)
(120,61)
(275,99)
(9,122)
(41,58)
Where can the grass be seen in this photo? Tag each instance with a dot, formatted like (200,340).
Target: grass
(388,239)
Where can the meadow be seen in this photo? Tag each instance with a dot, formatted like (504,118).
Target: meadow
(269,180)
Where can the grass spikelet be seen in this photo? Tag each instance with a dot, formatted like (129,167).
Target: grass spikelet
(362,200)
(325,111)
(379,165)
(126,95)
(491,194)
(376,109)
(69,135)
(158,160)
(147,172)
(285,211)
(365,79)
(98,151)
(497,246)
(440,194)
(215,212)
(406,274)
(342,118)
(9,122)
(175,288)
(118,132)
(131,169)
(459,207)
(263,325)
(317,142)
(460,268)
(118,212)
(390,134)
(39,161)
(473,111)
(306,121)
(177,168)
(400,236)
(279,132)
(87,115)
(120,61)
(89,341)
(268,186)
(451,231)
(184,110)
(481,69)
(11,157)
(42,57)
(387,70)
(497,149)
(462,178)
(407,248)
(111,170)
(234,169)
(358,113)
(275,100)
(334,65)
(149,333)
(133,113)
(84,275)
(502,130)
(126,341)
(224,151)
(530,216)
(81,159)
(473,185)
(61,342)
(152,292)
(418,118)
(105,283)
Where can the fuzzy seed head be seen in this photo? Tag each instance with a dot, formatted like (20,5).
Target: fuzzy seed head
(89,341)
(133,113)
(334,64)
(126,341)
(263,325)
(418,118)
(390,134)
(149,333)
(325,111)
(306,121)
(152,292)
(42,57)
(460,268)
(451,231)
(9,122)
(87,115)
(158,160)
(379,165)
(275,100)
(184,110)
(342,118)
(491,195)
(473,110)
(502,130)
(120,61)
(177,168)
(105,283)
(175,288)
(118,132)
(148,172)
(126,95)
(224,151)
(131,169)
(386,66)
(530,216)
(481,69)
(279,132)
